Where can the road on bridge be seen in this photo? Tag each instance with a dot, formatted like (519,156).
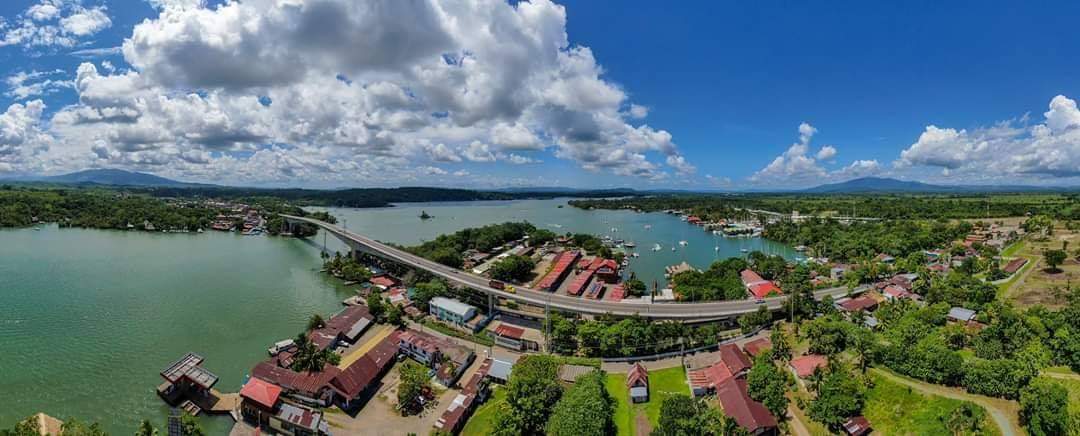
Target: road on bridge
(691,312)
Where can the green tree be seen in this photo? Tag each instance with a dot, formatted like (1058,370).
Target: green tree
(585,409)
(966,419)
(532,392)
(681,415)
(513,268)
(189,426)
(414,383)
(840,395)
(1053,258)
(315,322)
(767,384)
(781,348)
(395,316)
(760,317)
(26,427)
(375,305)
(1044,408)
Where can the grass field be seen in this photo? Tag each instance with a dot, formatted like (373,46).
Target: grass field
(663,383)
(895,409)
(1033,284)
(484,417)
(624,416)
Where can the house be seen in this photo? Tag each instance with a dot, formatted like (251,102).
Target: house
(500,370)
(804,366)
(561,266)
(863,303)
(757,346)
(186,381)
(306,386)
(570,373)
(884,258)
(451,311)
(757,286)
(903,281)
(462,406)
(857,426)
(617,293)
(960,314)
(607,271)
(398,297)
(730,362)
(893,293)
(262,406)
(508,336)
(354,384)
(637,380)
(385,281)
(751,415)
(837,272)
(449,360)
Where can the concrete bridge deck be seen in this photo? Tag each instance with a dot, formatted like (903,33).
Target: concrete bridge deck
(688,312)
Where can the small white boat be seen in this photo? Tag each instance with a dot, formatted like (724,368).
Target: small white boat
(656,247)
(648,226)
(683,243)
(672,248)
(744,250)
(629,244)
(280,346)
(716,248)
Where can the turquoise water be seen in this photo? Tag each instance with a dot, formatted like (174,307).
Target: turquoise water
(401,224)
(89,317)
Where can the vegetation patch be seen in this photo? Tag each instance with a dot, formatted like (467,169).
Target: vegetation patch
(896,409)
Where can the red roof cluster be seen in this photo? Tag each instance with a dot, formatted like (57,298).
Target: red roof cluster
(617,292)
(749,276)
(1014,265)
(462,405)
(580,282)
(384,281)
(361,373)
(732,363)
(308,384)
(558,270)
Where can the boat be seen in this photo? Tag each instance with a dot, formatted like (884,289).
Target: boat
(744,250)
(280,346)
(800,248)
(614,229)
(37,229)
(635,254)
(672,248)
(656,247)
(716,248)
(424,215)
(683,243)
(629,244)
(648,226)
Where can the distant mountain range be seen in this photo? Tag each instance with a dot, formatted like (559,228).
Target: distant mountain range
(114,177)
(865,185)
(885,185)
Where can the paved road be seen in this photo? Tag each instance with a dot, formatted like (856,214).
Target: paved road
(676,311)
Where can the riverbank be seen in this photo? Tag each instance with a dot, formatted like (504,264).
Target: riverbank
(89,317)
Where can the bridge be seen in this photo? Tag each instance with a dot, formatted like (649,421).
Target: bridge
(687,312)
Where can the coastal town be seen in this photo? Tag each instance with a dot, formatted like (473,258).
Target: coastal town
(539,217)
(352,372)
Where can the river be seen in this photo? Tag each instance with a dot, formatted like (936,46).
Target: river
(89,317)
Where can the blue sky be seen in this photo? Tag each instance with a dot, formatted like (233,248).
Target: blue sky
(703,95)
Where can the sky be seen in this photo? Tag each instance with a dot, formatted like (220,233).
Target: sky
(579,93)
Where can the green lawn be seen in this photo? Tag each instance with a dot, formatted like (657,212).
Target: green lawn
(624,419)
(895,409)
(663,383)
(484,416)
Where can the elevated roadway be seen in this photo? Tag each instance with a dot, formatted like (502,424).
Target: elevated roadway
(688,312)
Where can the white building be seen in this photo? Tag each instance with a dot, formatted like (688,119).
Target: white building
(451,310)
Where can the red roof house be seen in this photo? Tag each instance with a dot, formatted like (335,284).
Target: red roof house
(750,277)
(384,281)
(804,366)
(757,346)
(737,404)
(735,360)
(764,289)
(260,392)
(859,303)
